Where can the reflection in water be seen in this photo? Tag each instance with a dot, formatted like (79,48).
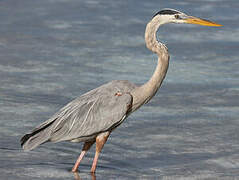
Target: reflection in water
(77,176)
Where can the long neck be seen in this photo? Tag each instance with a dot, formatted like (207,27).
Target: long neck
(144,93)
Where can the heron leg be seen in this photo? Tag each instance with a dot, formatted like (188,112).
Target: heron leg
(85,148)
(100,141)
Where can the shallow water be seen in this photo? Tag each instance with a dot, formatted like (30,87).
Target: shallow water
(53,51)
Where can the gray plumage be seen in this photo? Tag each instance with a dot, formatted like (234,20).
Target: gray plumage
(97,111)
(92,117)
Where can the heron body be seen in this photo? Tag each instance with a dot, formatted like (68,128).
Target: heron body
(91,117)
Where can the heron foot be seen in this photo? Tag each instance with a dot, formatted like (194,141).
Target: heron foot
(86,147)
(74,170)
(100,141)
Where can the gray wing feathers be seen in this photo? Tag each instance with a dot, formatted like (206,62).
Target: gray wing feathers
(97,111)
(86,119)
(38,136)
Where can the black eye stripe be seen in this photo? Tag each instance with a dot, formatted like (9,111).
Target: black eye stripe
(166,12)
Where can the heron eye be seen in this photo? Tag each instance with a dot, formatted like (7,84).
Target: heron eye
(177,16)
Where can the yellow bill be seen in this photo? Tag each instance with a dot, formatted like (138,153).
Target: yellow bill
(203,22)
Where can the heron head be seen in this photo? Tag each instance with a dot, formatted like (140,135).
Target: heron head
(175,16)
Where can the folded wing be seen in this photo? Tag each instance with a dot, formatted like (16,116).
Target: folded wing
(97,111)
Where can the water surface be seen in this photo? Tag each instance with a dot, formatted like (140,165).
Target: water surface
(53,51)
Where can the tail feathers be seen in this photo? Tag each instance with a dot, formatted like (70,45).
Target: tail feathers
(35,138)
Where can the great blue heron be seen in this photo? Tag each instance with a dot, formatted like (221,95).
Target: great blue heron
(93,116)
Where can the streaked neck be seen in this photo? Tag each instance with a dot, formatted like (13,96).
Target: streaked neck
(144,93)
